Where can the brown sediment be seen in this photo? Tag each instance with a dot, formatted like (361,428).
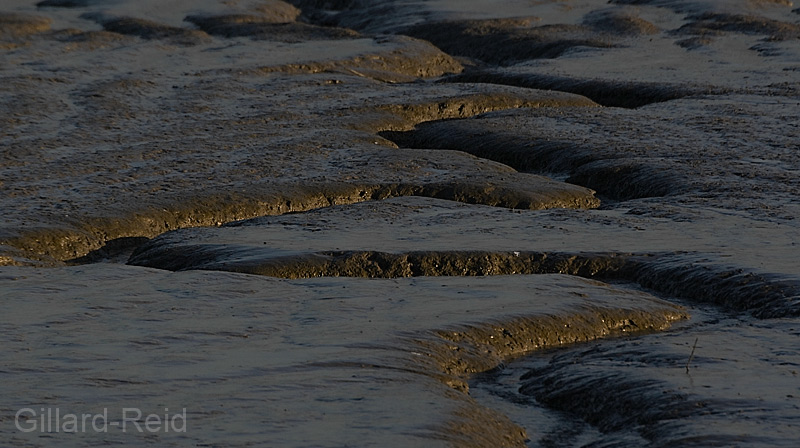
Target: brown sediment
(51,245)
(457,353)
(372,264)
(464,351)
(476,426)
(271,11)
(14,26)
(764,295)
(416,59)
(404,117)
(620,22)
(88,40)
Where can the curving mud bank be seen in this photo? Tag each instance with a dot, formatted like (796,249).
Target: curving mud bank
(411,237)
(231,346)
(427,193)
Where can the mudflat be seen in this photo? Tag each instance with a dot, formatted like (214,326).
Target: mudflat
(393,223)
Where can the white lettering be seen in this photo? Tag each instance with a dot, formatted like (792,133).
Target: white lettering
(70,423)
(27,420)
(104,417)
(152,423)
(182,417)
(135,420)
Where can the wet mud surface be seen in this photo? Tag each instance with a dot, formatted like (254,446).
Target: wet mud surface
(398,223)
(321,362)
(694,385)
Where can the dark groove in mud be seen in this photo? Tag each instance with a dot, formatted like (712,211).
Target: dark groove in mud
(636,393)
(49,246)
(501,45)
(614,411)
(259,27)
(610,93)
(112,249)
(613,178)
(147,29)
(62,3)
(678,275)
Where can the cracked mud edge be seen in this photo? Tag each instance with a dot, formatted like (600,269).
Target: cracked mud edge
(88,239)
(614,178)
(678,275)
(92,238)
(459,353)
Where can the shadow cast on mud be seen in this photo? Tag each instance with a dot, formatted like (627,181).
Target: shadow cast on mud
(682,275)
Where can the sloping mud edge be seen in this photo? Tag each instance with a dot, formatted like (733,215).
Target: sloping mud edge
(453,355)
(684,275)
(52,244)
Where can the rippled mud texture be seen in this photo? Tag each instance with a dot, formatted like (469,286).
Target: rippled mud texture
(647,393)
(391,372)
(120,154)
(479,159)
(613,152)
(408,237)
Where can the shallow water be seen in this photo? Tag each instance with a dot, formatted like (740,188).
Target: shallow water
(400,223)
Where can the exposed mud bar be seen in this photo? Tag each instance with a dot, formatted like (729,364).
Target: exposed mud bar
(673,275)
(338,244)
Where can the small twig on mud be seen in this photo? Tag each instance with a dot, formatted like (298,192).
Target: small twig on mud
(691,356)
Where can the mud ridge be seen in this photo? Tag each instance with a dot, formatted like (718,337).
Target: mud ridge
(13,25)
(682,275)
(454,355)
(413,59)
(461,352)
(404,117)
(615,178)
(53,245)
